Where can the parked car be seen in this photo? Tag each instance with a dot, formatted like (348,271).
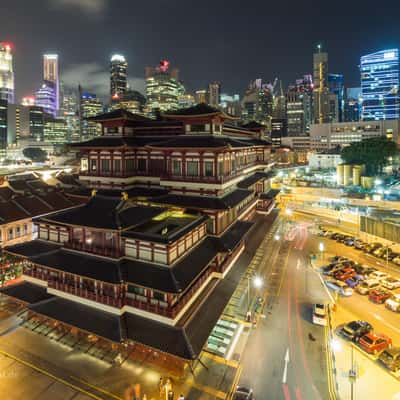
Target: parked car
(335,269)
(345,273)
(378,275)
(393,255)
(320,312)
(334,235)
(375,342)
(243,393)
(366,286)
(358,244)
(390,358)
(339,287)
(353,282)
(393,303)
(354,330)
(390,283)
(339,259)
(396,260)
(349,242)
(378,295)
(372,247)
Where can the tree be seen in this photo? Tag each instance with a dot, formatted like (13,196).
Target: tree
(35,154)
(374,153)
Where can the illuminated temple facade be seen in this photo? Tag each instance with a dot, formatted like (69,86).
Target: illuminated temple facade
(153,256)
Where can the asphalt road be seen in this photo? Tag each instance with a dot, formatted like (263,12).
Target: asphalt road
(284,332)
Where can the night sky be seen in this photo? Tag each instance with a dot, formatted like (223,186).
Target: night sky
(233,41)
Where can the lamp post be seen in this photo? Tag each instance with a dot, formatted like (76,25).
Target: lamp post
(321,249)
(257,282)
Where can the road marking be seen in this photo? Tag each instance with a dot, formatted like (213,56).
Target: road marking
(287,359)
(379,318)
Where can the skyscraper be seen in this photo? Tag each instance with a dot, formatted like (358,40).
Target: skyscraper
(336,97)
(3,126)
(200,96)
(89,106)
(46,97)
(321,88)
(162,88)
(214,94)
(50,77)
(380,85)
(6,73)
(118,77)
(257,102)
(352,105)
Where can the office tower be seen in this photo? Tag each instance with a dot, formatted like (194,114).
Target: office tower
(69,111)
(279,105)
(3,126)
(336,97)
(25,122)
(352,105)
(50,76)
(200,96)
(257,102)
(278,131)
(185,101)
(55,130)
(162,88)
(89,106)
(118,77)
(214,94)
(133,101)
(6,73)
(46,98)
(231,104)
(321,88)
(380,85)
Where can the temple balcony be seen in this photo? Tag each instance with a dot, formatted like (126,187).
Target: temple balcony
(94,249)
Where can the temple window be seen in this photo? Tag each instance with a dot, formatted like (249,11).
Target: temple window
(208,168)
(192,168)
(176,167)
(141,163)
(105,165)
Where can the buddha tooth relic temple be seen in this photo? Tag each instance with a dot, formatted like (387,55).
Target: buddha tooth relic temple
(152,257)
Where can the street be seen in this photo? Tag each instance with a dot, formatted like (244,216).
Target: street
(280,361)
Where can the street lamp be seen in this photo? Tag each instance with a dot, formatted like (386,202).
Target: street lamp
(257,282)
(321,249)
(288,211)
(277,237)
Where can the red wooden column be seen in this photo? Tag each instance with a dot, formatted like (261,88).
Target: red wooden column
(98,163)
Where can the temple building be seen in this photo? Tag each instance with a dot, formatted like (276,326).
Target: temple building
(150,261)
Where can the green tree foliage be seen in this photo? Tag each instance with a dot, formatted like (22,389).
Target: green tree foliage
(374,153)
(35,154)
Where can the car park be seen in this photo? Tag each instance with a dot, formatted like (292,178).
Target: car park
(390,358)
(243,393)
(390,283)
(393,303)
(378,295)
(354,330)
(320,312)
(339,287)
(366,286)
(374,343)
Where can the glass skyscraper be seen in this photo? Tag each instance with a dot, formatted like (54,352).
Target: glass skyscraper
(380,85)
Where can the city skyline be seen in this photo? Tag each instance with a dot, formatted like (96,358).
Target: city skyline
(208,54)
